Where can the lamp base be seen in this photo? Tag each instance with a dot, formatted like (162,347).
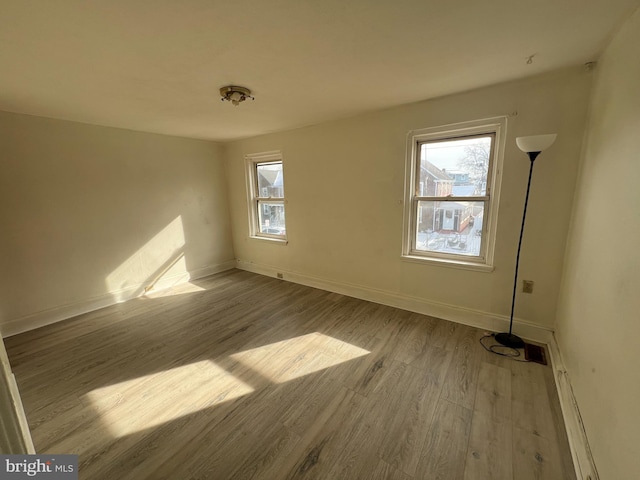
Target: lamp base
(509,340)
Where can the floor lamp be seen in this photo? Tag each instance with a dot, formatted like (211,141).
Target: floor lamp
(532,146)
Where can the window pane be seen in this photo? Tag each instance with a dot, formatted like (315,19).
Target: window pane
(450,227)
(271,217)
(454,167)
(270,180)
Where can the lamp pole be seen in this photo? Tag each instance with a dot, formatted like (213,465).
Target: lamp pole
(509,339)
(532,146)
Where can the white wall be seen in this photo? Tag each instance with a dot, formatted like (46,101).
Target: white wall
(93,215)
(344,183)
(598,325)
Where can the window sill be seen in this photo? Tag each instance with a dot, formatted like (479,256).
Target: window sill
(443,262)
(276,241)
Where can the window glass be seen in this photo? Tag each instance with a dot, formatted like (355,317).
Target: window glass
(265,193)
(451,183)
(450,227)
(270,180)
(455,167)
(272,218)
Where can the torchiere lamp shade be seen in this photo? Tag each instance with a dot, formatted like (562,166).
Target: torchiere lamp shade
(536,143)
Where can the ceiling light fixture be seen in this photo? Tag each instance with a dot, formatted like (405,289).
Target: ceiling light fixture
(235,94)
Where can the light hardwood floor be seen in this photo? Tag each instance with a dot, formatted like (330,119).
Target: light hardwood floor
(241,376)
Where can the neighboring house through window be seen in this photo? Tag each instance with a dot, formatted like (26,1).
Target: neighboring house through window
(265,192)
(452,184)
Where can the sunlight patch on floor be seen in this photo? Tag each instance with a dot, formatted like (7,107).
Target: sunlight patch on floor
(295,357)
(152,400)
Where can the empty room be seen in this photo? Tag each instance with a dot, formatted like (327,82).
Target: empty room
(319,240)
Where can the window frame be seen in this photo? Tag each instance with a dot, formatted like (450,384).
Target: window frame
(496,127)
(255,199)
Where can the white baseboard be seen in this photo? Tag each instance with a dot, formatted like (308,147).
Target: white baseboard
(62,312)
(578,441)
(466,316)
(212,270)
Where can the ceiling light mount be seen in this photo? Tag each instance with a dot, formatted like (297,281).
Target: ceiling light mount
(235,94)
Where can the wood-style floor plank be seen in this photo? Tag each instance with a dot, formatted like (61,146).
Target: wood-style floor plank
(490,450)
(384,471)
(490,442)
(241,376)
(531,408)
(405,437)
(493,395)
(535,457)
(443,457)
(461,379)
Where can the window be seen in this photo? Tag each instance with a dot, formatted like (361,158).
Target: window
(265,190)
(452,183)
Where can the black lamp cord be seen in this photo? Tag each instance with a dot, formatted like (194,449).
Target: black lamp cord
(502,350)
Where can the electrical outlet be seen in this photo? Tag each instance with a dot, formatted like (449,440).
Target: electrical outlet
(527,286)
(279,275)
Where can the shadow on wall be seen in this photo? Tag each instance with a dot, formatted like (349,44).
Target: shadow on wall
(159,263)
